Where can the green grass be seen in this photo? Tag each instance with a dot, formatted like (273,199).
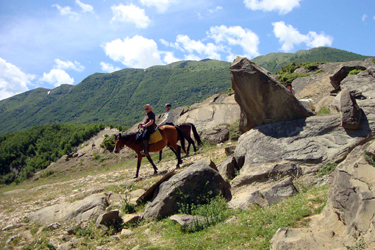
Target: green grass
(253,228)
(324,111)
(327,168)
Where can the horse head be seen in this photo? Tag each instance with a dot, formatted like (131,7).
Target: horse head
(119,143)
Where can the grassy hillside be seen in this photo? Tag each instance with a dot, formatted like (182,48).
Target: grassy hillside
(273,62)
(117,97)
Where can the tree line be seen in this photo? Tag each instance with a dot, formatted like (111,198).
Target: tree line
(26,152)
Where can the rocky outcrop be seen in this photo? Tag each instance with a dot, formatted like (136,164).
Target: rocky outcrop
(216,135)
(261,97)
(193,185)
(348,218)
(341,74)
(214,111)
(83,210)
(351,114)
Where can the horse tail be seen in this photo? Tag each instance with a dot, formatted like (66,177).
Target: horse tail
(182,138)
(196,135)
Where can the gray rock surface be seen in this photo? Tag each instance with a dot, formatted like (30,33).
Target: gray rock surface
(216,135)
(351,114)
(261,97)
(89,208)
(190,185)
(348,217)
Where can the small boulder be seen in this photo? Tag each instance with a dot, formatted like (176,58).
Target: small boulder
(216,135)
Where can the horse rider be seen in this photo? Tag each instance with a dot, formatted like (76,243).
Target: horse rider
(291,90)
(168,119)
(149,126)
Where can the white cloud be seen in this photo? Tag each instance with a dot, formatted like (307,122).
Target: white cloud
(12,80)
(236,35)
(364,17)
(215,10)
(56,77)
(135,52)
(161,5)
(67,65)
(282,6)
(67,11)
(206,50)
(169,57)
(85,7)
(289,36)
(130,14)
(109,68)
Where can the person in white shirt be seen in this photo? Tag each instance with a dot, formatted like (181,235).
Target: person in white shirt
(168,119)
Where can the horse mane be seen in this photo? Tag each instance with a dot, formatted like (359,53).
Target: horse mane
(125,137)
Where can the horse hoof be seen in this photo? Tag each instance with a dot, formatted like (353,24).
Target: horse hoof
(135,176)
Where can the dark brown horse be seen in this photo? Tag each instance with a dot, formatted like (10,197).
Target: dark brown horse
(170,136)
(186,129)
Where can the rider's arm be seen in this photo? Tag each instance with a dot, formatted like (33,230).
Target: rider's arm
(150,122)
(165,119)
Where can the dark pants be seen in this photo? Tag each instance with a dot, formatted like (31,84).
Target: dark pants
(145,138)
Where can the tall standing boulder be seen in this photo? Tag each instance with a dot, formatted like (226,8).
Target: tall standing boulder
(261,97)
(351,114)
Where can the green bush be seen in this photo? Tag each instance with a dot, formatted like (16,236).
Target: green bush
(355,71)
(108,143)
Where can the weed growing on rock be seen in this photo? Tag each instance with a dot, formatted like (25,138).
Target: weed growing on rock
(369,158)
(126,206)
(324,111)
(327,168)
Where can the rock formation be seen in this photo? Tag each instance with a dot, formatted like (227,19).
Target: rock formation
(194,183)
(261,97)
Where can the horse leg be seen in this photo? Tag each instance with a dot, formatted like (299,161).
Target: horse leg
(192,141)
(188,148)
(152,163)
(160,153)
(138,165)
(178,155)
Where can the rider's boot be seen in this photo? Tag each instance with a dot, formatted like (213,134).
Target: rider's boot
(145,146)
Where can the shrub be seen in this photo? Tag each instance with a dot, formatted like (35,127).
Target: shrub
(108,143)
(355,71)
(327,168)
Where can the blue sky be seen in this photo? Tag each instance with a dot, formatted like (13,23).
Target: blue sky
(47,43)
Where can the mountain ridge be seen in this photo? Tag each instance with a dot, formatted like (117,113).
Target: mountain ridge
(118,97)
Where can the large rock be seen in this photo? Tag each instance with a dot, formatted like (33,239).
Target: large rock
(348,218)
(89,208)
(261,97)
(216,135)
(341,74)
(214,111)
(351,114)
(313,140)
(264,184)
(191,185)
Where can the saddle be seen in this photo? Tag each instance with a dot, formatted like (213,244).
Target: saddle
(155,137)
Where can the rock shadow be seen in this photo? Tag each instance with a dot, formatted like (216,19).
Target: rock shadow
(283,129)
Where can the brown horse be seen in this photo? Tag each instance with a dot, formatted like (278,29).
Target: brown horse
(186,129)
(170,136)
